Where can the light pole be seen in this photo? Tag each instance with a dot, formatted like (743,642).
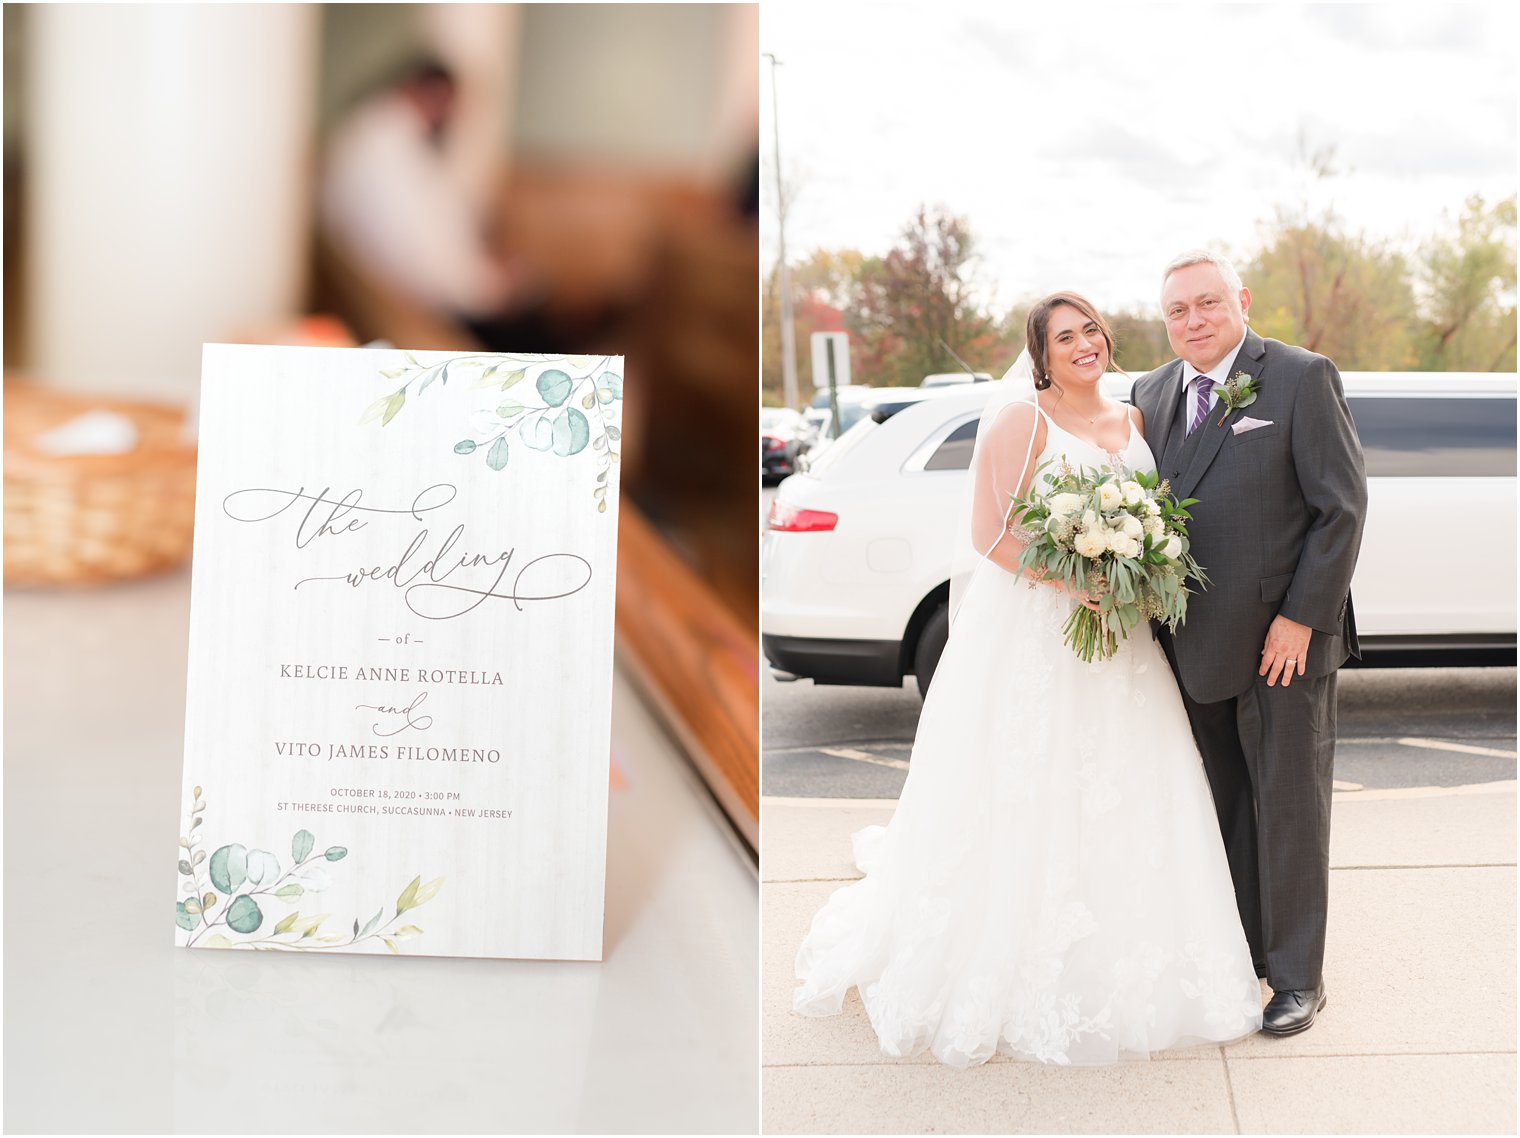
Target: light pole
(788,335)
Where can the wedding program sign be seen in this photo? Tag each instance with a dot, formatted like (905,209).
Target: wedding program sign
(396,731)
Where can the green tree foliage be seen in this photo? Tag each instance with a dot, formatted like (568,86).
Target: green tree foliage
(1468,279)
(1338,293)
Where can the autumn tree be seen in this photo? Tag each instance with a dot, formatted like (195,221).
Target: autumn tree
(921,296)
(1468,281)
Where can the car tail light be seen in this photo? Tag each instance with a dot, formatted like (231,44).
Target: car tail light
(791,519)
(770,442)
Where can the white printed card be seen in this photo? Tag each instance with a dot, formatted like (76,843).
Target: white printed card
(400,678)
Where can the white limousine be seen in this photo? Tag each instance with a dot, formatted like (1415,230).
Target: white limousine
(856,560)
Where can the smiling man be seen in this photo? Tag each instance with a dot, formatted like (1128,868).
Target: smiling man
(1259,432)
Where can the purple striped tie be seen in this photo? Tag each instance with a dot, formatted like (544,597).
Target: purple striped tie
(1204,387)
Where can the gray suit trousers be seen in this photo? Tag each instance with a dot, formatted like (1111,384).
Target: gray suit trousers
(1275,745)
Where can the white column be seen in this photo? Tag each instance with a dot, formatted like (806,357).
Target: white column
(168,200)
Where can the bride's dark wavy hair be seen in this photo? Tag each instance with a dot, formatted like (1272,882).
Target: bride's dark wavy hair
(1039,319)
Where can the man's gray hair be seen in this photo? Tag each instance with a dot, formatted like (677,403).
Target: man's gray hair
(1204,257)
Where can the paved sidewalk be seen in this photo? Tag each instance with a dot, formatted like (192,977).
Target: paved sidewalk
(1418,1036)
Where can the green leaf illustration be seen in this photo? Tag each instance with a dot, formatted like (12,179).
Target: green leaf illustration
(300,845)
(427,892)
(539,433)
(315,879)
(496,457)
(290,891)
(184,868)
(408,930)
(370,925)
(263,867)
(335,853)
(243,914)
(285,923)
(464,446)
(217,940)
(580,361)
(193,905)
(509,409)
(397,402)
(554,386)
(390,944)
(229,867)
(408,896)
(611,382)
(512,378)
(571,432)
(184,918)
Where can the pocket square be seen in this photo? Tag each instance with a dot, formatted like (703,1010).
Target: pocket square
(1241,426)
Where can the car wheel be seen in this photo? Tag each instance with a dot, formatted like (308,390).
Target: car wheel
(931,643)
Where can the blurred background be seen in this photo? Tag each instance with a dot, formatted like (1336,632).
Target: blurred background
(516,177)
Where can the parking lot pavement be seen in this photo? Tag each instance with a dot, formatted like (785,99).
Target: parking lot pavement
(1418,1035)
(1398,728)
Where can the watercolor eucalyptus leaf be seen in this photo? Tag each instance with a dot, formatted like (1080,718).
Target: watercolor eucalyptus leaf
(392,372)
(196,822)
(184,843)
(513,378)
(612,382)
(184,868)
(464,446)
(408,896)
(408,930)
(217,940)
(496,457)
(197,793)
(290,891)
(229,867)
(427,381)
(614,434)
(300,845)
(572,432)
(335,853)
(604,395)
(590,401)
(554,386)
(538,433)
(411,359)
(314,878)
(184,918)
(286,922)
(193,905)
(370,925)
(390,944)
(200,856)
(263,867)
(375,410)
(486,378)
(243,914)
(308,926)
(510,409)
(208,900)
(580,361)
(397,401)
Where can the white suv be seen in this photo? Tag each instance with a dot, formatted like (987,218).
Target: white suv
(856,561)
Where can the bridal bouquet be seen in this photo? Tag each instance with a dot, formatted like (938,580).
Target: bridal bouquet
(1120,537)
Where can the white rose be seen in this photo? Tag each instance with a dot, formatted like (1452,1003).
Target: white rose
(1173,547)
(1153,526)
(1109,496)
(1062,505)
(1089,520)
(1134,493)
(1132,526)
(1090,543)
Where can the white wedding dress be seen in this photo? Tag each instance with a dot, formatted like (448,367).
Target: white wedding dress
(1053,883)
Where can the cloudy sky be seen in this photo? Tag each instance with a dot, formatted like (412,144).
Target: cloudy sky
(1088,143)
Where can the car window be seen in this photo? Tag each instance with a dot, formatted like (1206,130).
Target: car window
(955,452)
(1433,437)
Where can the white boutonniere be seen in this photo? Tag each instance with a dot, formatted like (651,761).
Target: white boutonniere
(1236,392)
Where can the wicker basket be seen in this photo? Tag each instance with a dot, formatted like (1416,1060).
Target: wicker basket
(82,519)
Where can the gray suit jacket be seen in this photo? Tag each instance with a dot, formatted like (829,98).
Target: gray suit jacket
(1279,519)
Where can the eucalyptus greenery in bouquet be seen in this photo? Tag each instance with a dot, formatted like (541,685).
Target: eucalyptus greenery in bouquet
(1120,537)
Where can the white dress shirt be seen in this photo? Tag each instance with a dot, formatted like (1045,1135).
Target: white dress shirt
(1218,373)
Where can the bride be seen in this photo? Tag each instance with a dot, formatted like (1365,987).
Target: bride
(1053,882)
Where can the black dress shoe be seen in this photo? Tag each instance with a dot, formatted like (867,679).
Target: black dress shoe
(1292,1010)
